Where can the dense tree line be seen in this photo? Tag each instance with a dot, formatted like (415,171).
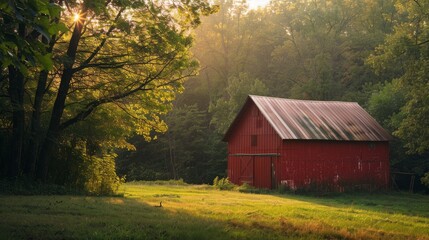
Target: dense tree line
(371,52)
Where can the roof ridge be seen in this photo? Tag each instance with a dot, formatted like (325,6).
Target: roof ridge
(302,100)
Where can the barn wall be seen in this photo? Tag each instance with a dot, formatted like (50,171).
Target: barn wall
(254,170)
(335,164)
(251,123)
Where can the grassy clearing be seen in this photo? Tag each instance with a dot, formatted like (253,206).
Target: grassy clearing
(201,212)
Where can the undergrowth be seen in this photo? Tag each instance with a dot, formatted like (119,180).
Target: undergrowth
(26,187)
(178,182)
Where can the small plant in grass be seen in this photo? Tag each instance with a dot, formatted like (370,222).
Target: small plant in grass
(216,181)
(247,188)
(284,188)
(223,183)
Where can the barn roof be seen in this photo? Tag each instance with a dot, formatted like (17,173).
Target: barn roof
(316,120)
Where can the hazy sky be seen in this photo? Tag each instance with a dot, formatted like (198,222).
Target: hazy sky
(257,3)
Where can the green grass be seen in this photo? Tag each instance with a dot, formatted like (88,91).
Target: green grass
(201,212)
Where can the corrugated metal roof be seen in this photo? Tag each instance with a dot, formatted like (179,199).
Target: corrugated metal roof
(319,120)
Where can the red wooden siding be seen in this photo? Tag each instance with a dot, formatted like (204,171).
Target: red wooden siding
(253,170)
(253,123)
(240,161)
(335,164)
(258,156)
(263,176)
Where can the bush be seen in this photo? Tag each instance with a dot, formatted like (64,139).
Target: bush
(425,179)
(223,183)
(97,175)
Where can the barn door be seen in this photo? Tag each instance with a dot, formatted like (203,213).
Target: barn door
(263,172)
(246,170)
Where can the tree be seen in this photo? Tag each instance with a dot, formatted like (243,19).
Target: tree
(323,46)
(27,27)
(405,53)
(225,109)
(188,150)
(124,60)
(406,49)
(222,45)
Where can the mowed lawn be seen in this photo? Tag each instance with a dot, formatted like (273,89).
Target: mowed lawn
(201,212)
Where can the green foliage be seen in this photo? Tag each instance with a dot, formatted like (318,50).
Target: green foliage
(32,16)
(216,181)
(246,188)
(223,184)
(29,187)
(97,175)
(385,104)
(225,109)
(425,179)
(91,83)
(85,167)
(188,150)
(172,182)
(405,52)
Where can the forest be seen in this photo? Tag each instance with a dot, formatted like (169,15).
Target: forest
(94,93)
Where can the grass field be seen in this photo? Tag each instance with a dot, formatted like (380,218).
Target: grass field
(201,212)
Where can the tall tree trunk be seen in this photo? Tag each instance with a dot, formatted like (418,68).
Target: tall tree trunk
(33,144)
(172,157)
(53,132)
(35,130)
(16,93)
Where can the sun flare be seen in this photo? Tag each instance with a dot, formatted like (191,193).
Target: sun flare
(76,17)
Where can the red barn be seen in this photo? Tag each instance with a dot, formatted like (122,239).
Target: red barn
(307,145)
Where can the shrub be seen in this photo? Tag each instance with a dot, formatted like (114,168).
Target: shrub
(216,181)
(97,175)
(247,188)
(223,183)
(425,179)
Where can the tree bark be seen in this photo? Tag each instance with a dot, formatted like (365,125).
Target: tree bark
(35,130)
(172,158)
(53,132)
(16,93)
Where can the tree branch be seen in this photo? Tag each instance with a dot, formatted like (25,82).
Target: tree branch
(100,46)
(90,107)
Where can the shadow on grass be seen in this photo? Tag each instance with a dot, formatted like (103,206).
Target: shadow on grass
(384,202)
(77,217)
